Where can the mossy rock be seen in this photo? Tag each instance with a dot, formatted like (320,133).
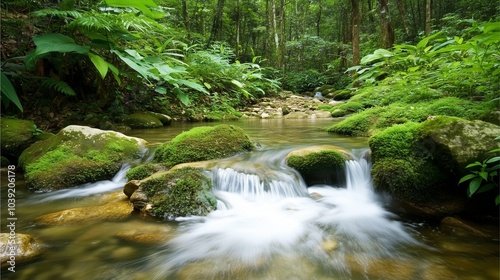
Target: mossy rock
(342,94)
(423,162)
(164,119)
(204,143)
(17,135)
(175,193)
(77,155)
(319,164)
(142,120)
(143,171)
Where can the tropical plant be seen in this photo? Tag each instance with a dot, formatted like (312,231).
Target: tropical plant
(483,175)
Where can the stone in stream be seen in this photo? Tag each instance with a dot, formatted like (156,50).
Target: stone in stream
(420,164)
(23,247)
(77,155)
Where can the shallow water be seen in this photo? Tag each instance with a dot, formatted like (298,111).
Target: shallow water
(269,225)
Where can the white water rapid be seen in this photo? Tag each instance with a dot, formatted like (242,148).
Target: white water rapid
(268,220)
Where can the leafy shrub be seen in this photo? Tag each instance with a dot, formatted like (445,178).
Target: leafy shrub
(303,81)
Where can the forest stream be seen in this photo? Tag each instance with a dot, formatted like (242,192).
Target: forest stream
(268,225)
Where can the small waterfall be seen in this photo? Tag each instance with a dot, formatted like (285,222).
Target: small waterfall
(87,189)
(265,212)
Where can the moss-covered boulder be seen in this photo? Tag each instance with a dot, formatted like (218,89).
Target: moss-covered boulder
(143,120)
(175,193)
(323,164)
(143,171)
(421,163)
(17,135)
(204,143)
(77,155)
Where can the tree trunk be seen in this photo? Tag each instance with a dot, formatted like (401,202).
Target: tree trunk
(355,32)
(216,33)
(402,16)
(427,17)
(238,27)
(185,17)
(318,19)
(282,50)
(385,25)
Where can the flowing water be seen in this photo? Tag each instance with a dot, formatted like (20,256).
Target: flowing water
(268,225)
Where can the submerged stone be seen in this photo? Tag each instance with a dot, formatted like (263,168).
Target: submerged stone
(77,155)
(22,246)
(144,120)
(204,143)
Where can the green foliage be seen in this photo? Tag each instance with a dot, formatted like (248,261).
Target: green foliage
(483,175)
(9,92)
(395,142)
(302,81)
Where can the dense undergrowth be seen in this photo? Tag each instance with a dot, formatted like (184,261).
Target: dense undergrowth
(440,75)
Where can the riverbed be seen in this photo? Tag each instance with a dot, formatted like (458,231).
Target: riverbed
(352,232)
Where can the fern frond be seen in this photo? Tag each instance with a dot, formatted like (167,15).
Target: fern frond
(57,13)
(91,21)
(58,85)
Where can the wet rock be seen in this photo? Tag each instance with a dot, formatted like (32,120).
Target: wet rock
(421,163)
(143,120)
(175,193)
(130,187)
(322,164)
(469,228)
(77,155)
(113,211)
(23,246)
(297,115)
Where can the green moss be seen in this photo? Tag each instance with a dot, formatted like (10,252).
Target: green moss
(324,107)
(410,179)
(316,161)
(179,193)
(204,143)
(69,158)
(358,124)
(395,142)
(142,120)
(4,162)
(143,171)
(342,94)
(17,135)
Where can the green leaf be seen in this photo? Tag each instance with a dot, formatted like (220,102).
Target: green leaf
(459,40)
(477,163)
(474,186)
(484,175)
(192,85)
(497,200)
(9,91)
(493,159)
(486,187)
(182,97)
(100,64)
(57,43)
(141,5)
(116,73)
(423,43)
(467,177)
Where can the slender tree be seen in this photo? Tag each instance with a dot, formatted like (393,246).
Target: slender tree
(216,33)
(355,32)
(427,17)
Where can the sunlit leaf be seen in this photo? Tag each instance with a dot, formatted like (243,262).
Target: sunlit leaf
(100,64)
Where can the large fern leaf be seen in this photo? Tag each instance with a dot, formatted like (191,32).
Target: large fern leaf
(57,13)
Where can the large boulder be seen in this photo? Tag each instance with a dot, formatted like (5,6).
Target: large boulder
(322,164)
(174,193)
(421,163)
(204,143)
(77,155)
(17,248)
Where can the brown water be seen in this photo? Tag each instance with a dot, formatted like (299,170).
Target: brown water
(93,251)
